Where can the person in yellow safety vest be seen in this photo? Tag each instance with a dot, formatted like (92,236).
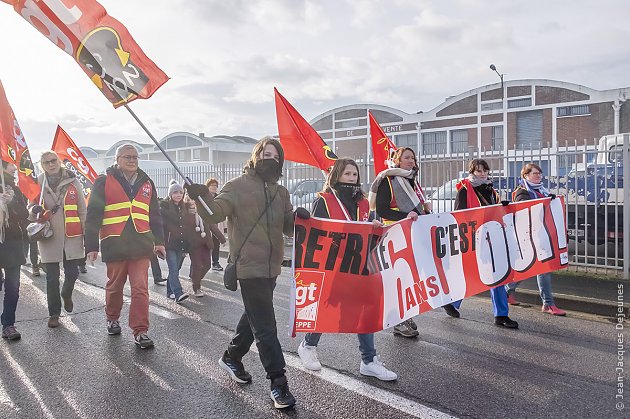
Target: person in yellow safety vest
(124,216)
(63,205)
(396,194)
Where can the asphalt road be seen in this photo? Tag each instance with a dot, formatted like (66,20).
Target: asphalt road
(551,367)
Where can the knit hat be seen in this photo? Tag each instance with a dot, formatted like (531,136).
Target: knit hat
(174,187)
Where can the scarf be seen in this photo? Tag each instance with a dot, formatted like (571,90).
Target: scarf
(532,188)
(408,198)
(477,181)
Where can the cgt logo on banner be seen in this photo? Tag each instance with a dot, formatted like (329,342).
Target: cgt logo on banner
(353,277)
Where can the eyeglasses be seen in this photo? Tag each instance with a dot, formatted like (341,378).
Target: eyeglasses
(129,158)
(535,173)
(46,162)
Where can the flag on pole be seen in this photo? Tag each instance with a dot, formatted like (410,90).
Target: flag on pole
(14,150)
(100,44)
(382,146)
(74,160)
(300,141)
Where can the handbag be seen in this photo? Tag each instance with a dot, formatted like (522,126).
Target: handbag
(38,231)
(230,279)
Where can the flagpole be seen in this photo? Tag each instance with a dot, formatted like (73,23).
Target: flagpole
(187,180)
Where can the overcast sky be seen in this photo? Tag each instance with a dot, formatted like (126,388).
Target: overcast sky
(225,56)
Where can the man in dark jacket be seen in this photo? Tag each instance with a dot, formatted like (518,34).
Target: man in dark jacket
(124,214)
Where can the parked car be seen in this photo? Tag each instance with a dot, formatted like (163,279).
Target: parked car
(304,191)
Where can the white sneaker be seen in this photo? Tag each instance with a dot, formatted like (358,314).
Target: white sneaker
(308,356)
(198,294)
(378,370)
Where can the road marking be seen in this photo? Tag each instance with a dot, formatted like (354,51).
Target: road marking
(73,401)
(5,398)
(15,366)
(157,380)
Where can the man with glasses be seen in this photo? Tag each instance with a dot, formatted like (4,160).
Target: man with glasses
(124,214)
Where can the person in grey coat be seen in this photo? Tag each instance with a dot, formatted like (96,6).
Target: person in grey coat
(64,206)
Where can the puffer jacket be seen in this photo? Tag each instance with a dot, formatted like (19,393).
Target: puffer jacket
(175,217)
(11,250)
(242,200)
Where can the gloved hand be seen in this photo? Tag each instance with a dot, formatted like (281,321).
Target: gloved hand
(505,203)
(196,190)
(37,209)
(552,196)
(302,213)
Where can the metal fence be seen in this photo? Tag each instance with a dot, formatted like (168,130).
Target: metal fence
(590,177)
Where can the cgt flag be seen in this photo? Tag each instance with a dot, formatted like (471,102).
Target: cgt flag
(382,146)
(353,277)
(13,149)
(74,161)
(300,141)
(101,45)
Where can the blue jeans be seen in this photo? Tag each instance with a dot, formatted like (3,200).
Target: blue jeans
(11,294)
(499,301)
(366,344)
(544,286)
(173,260)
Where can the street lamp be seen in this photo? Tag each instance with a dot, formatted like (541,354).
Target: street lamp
(494,68)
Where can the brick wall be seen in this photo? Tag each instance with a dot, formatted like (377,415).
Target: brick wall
(465,105)
(493,94)
(514,91)
(547,128)
(495,117)
(546,95)
(624,118)
(486,138)
(511,130)
(600,122)
(469,120)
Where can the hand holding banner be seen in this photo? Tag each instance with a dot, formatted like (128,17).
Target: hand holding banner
(359,278)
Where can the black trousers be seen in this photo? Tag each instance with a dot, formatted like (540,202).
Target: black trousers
(216,248)
(259,322)
(71,273)
(30,248)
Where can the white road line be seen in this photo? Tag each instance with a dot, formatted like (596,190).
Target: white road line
(157,380)
(5,398)
(15,366)
(73,402)
(69,324)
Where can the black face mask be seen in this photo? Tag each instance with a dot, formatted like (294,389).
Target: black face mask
(268,169)
(349,191)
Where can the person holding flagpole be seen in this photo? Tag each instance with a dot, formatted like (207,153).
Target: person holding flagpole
(13,213)
(62,204)
(343,199)
(396,194)
(258,211)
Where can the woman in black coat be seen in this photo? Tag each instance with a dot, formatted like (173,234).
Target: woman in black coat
(13,213)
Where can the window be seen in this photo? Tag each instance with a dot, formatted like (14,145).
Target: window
(497,137)
(491,106)
(529,130)
(519,103)
(196,154)
(573,110)
(351,123)
(407,140)
(176,142)
(434,142)
(459,141)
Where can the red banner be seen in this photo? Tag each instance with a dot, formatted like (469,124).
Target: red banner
(100,44)
(382,146)
(300,141)
(353,277)
(13,149)
(74,160)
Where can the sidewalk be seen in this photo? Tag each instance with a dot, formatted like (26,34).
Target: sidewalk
(576,291)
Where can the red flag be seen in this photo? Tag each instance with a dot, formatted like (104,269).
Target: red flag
(13,149)
(74,160)
(100,44)
(382,146)
(300,141)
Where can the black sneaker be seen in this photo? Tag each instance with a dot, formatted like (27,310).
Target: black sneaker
(159,280)
(451,311)
(280,394)
(143,341)
(113,327)
(217,267)
(505,321)
(235,369)
(82,269)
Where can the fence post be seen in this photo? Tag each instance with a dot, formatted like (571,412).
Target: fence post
(626,206)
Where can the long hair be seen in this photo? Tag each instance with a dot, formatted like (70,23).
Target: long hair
(397,156)
(337,171)
(260,146)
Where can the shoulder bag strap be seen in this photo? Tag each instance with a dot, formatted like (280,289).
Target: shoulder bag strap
(254,226)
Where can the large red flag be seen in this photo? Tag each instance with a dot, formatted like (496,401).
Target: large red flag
(74,160)
(100,44)
(13,149)
(382,146)
(300,141)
